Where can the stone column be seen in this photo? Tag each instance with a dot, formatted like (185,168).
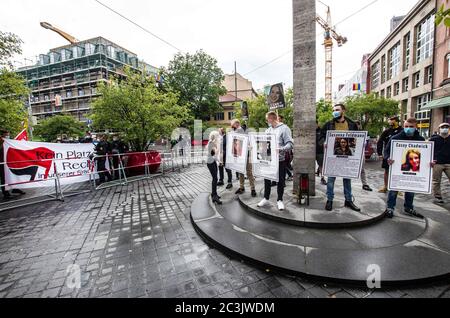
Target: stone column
(304,133)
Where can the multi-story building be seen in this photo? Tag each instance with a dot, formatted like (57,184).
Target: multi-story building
(65,80)
(401,67)
(238,90)
(440,105)
(359,79)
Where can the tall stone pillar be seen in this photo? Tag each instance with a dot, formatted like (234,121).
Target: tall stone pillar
(304,132)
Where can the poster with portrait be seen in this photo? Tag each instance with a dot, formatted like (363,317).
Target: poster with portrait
(344,154)
(275,96)
(264,156)
(244,109)
(237,152)
(411,170)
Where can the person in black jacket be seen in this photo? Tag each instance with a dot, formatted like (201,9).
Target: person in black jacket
(339,122)
(441,159)
(222,164)
(118,147)
(101,150)
(4,134)
(408,133)
(319,154)
(394,129)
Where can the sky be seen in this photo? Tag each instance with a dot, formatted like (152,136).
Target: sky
(250,32)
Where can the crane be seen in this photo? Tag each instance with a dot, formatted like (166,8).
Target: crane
(65,35)
(329,35)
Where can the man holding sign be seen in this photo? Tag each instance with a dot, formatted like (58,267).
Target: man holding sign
(408,164)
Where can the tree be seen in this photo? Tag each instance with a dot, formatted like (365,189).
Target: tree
(53,127)
(198,81)
(136,107)
(13,89)
(443,15)
(10,44)
(371,111)
(324,111)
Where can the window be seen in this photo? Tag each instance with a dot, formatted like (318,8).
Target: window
(396,88)
(230,115)
(405,84)
(389,92)
(394,61)
(416,79)
(376,74)
(80,92)
(46,97)
(425,39)
(383,69)
(407,51)
(421,102)
(219,116)
(428,75)
(382,93)
(68,93)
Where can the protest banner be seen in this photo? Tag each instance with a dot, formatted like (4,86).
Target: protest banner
(237,152)
(264,156)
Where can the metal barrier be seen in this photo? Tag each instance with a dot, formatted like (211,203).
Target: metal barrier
(170,162)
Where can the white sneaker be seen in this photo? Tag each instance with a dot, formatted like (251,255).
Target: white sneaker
(263,203)
(280,205)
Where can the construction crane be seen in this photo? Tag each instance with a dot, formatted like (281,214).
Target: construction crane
(65,35)
(329,35)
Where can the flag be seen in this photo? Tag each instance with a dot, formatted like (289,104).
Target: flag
(23,135)
(357,87)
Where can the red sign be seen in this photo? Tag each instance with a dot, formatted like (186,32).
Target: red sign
(26,162)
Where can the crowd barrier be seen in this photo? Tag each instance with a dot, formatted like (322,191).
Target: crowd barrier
(153,164)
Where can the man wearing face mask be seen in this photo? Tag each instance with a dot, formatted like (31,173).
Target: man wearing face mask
(441,159)
(409,133)
(339,122)
(394,129)
(4,134)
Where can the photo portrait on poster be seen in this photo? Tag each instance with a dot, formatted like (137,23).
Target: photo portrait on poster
(344,155)
(264,155)
(275,96)
(237,153)
(411,170)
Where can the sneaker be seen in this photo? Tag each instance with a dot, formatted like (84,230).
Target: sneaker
(367,188)
(229,186)
(240,191)
(280,205)
(254,193)
(220,183)
(413,212)
(383,190)
(389,213)
(264,202)
(439,199)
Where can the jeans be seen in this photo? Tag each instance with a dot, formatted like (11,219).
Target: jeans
(347,189)
(212,167)
(392,200)
(280,185)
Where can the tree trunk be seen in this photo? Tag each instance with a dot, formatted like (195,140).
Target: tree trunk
(304,133)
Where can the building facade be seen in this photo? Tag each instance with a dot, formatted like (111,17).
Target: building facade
(401,67)
(65,80)
(359,79)
(440,105)
(238,90)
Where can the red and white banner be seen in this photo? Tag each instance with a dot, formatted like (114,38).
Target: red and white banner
(33,164)
(23,135)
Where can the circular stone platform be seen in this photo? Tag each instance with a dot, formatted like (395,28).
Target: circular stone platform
(315,215)
(405,249)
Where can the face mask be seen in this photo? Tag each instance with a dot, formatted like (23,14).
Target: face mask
(444,131)
(337,115)
(410,131)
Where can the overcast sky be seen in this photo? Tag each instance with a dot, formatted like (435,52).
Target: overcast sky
(251,32)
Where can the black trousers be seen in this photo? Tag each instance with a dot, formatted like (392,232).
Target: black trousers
(212,167)
(2,178)
(221,173)
(101,168)
(280,185)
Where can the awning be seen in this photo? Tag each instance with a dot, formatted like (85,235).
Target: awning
(437,103)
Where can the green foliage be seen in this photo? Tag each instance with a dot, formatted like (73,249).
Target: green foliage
(198,81)
(324,112)
(443,15)
(13,91)
(51,128)
(10,44)
(138,109)
(371,111)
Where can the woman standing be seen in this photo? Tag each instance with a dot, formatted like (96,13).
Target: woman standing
(213,149)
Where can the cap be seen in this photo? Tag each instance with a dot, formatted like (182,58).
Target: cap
(444,125)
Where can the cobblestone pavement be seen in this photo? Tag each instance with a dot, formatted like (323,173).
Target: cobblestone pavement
(137,241)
